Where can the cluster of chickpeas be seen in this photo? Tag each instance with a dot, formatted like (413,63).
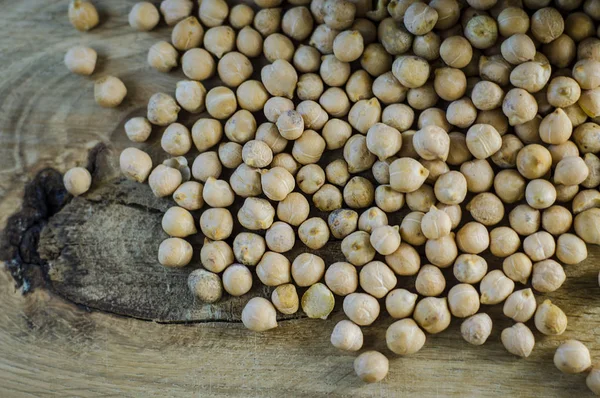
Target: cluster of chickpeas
(479,116)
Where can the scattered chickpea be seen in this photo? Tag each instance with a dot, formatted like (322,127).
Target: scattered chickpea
(572,357)
(314,233)
(371,366)
(357,154)
(430,281)
(593,378)
(219,40)
(248,248)
(442,251)
(476,329)
(294,209)
(550,319)
(249,42)
(259,315)
(432,314)
(189,195)
(109,91)
(237,280)
(256,214)
(175,252)
(162,109)
(240,16)
(77,180)
(207,165)
(197,64)
(377,279)
(318,301)
(518,340)
(404,337)
(347,336)
(495,287)
(285,299)
(83,15)
(163,180)
(570,249)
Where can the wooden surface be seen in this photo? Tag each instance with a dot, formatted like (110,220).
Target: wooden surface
(70,335)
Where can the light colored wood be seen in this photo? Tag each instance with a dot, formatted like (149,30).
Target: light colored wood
(51,347)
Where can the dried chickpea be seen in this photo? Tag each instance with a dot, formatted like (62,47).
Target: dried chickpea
(518,267)
(473,238)
(357,155)
(285,299)
(359,86)
(163,180)
(430,281)
(371,366)
(337,172)
(587,227)
(249,42)
(470,268)
(83,15)
(314,233)
(404,261)
(348,46)
(442,251)
(476,329)
(548,276)
(237,280)
(259,315)
(197,64)
(495,287)
(189,195)
(178,222)
(540,194)
(463,300)
(347,336)
(394,37)
(364,114)
(572,357)
(411,71)
(335,102)
(341,278)
(280,237)
(273,269)
(534,161)
(571,170)
(478,174)
(328,198)
(268,21)
(570,249)
(176,140)
(245,181)
(518,340)
(404,337)
(310,178)
(539,246)
(450,188)
(248,248)
(550,319)
(547,24)
(221,102)
(279,78)
(216,256)
(361,308)
(377,279)
(432,314)
(504,241)
(109,91)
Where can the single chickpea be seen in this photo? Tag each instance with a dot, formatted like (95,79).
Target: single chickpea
(456,52)
(404,261)
(206,133)
(593,164)
(453,211)
(338,14)
(449,83)
(269,134)
(342,222)
(359,193)
(285,299)
(430,281)
(268,21)
(174,252)
(176,140)
(237,280)
(310,178)
(519,106)
(495,287)
(277,183)
(421,200)
(571,170)
(540,194)
(221,103)
(450,188)
(361,308)
(341,278)
(205,285)
(310,87)
(473,238)
(407,175)
(197,63)
(377,279)
(534,161)
(442,251)
(585,200)
(162,56)
(219,40)
(240,16)
(400,303)
(359,86)
(187,34)
(495,68)
(411,71)
(257,154)
(476,329)
(81,60)
(483,140)
(434,117)
(217,193)
(306,59)
(256,214)
(273,269)
(234,68)
(277,46)
(313,114)
(297,23)
(563,91)
(163,180)
(518,340)
(77,180)
(385,239)
(143,16)
(547,24)
(525,220)
(513,20)
(539,246)
(518,48)
(245,181)
(470,268)
(410,229)
(334,72)
(215,256)
(216,224)
(572,357)
(517,267)
(348,46)
(459,152)
(367,29)
(478,174)
(427,46)
(570,249)
(520,305)
(347,336)
(431,143)
(481,31)
(423,97)
(463,300)
(395,38)
(259,315)
(408,149)
(371,366)
(364,114)
(548,276)
(419,18)
(504,241)
(436,223)
(322,38)
(383,141)
(432,314)
(357,248)
(109,91)
(279,78)
(280,237)
(337,172)
(357,155)
(593,378)
(189,195)
(178,222)
(404,337)
(293,209)
(249,42)
(314,233)
(83,15)
(162,109)
(550,319)
(335,102)
(586,225)
(249,248)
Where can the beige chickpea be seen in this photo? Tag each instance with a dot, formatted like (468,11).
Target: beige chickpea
(178,222)
(431,143)
(285,299)
(495,287)
(217,193)
(249,42)
(404,337)
(367,29)
(561,151)
(453,211)
(348,46)
(463,300)
(279,78)
(377,279)
(213,12)
(506,157)
(280,237)
(191,95)
(593,378)
(576,114)
(473,238)
(423,97)
(385,239)
(241,128)
(248,248)
(407,175)
(310,87)
(313,114)
(450,83)
(478,174)
(237,280)
(487,95)
(297,23)
(221,102)
(561,51)
(216,224)
(347,336)
(456,52)
(216,256)
(109,91)
(540,194)
(518,267)
(427,46)
(548,276)
(586,137)
(421,200)
(269,134)
(459,152)
(83,15)
(197,64)
(518,48)
(335,102)
(357,248)
(138,129)
(550,319)
(144,16)
(585,200)
(328,198)
(341,278)
(411,71)
(187,34)
(518,340)
(383,141)
(432,314)
(359,193)
(394,37)
(481,31)
(556,128)
(337,172)
(570,249)
(338,14)
(495,68)
(483,140)
(470,268)
(293,209)
(525,220)
(519,106)
(256,214)
(259,315)
(436,223)
(308,148)
(277,183)
(176,140)
(314,233)
(371,366)
(273,269)
(81,60)
(563,91)
(398,116)
(408,149)
(585,72)
(240,16)
(571,170)
(361,308)
(175,252)
(520,305)
(322,38)
(77,180)
(593,164)
(434,117)
(359,86)
(162,56)
(278,46)
(419,18)
(357,155)
(539,246)
(189,195)
(135,164)
(572,357)
(587,227)
(513,20)
(430,281)
(476,329)
(206,133)
(534,161)
(268,21)
(310,178)
(450,188)
(234,68)
(245,181)
(504,241)
(257,154)
(164,180)
(219,40)
(547,24)
(364,114)
(334,72)
(400,303)
(442,251)
(410,229)
(404,261)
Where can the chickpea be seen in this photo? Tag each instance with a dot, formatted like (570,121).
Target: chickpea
(342,222)
(371,366)
(357,155)
(176,140)
(197,63)
(586,137)
(404,261)
(268,21)
(81,60)
(361,308)
(175,252)
(347,336)
(400,303)
(279,78)
(432,314)
(256,214)
(407,175)
(436,169)
(495,68)
(478,174)
(77,180)
(249,42)
(277,183)
(306,59)
(163,180)
(550,319)
(586,225)
(178,222)
(313,114)
(297,23)
(314,233)
(450,188)
(410,229)
(411,71)
(524,219)
(539,246)
(540,194)
(221,103)
(388,89)
(310,178)
(367,29)
(481,31)
(109,91)
(513,20)
(570,249)
(216,224)
(286,161)
(259,315)
(404,337)
(219,40)
(310,87)
(504,241)
(240,16)
(395,38)
(322,38)
(273,269)
(337,172)
(495,287)
(518,340)
(534,161)
(473,238)
(285,299)
(456,52)
(436,223)
(189,195)
(237,280)
(422,97)
(341,278)
(377,279)
(357,248)
(476,329)
(427,46)
(593,378)
(359,86)
(548,276)
(293,209)
(563,91)
(215,256)
(364,114)
(517,267)
(463,300)
(328,198)
(593,164)
(430,281)
(335,102)
(249,248)
(470,268)
(571,170)
(419,18)
(449,83)
(547,24)
(442,251)
(585,200)
(572,356)
(83,15)
(245,181)
(348,46)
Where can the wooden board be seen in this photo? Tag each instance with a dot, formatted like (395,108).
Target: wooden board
(71,335)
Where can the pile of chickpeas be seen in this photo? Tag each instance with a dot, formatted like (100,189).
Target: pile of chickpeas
(481,117)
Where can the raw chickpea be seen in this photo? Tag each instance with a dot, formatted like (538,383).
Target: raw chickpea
(335,102)
(277,183)
(377,279)
(461,113)
(473,238)
(571,170)
(221,102)
(297,23)
(487,95)
(495,287)
(504,241)
(470,268)
(217,193)
(206,165)
(81,60)
(306,59)
(388,89)
(518,340)
(449,83)
(205,285)
(240,16)
(404,337)
(328,198)
(519,106)
(400,303)
(421,200)
(478,174)
(588,48)
(219,40)
(586,73)
(456,52)
(322,38)
(361,308)
(576,114)
(448,13)
(77,180)
(411,71)
(109,91)
(357,155)
(341,278)
(237,280)
(256,214)
(162,56)
(359,86)
(206,133)
(459,152)
(163,180)
(563,91)
(385,239)
(539,246)
(364,114)
(268,21)
(277,46)
(280,237)
(572,357)
(347,336)
(524,219)
(476,329)
(422,97)
(436,223)
(257,154)
(528,132)
(337,172)
(357,248)
(338,14)
(481,31)
(430,281)
(314,233)
(587,137)
(383,141)
(279,78)
(342,222)
(366,28)
(197,63)
(540,194)
(234,68)
(397,8)
(310,87)
(560,51)
(276,106)
(274,269)
(593,164)
(419,18)
(248,248)
(176,140)
(215,256)
(334,72)
(143,16)
(259,315)
(240,127)
(442,251)
(313,114)
(189,195)
(180,163)
(556,128)
(395,38)
(570,249)
(348,46)
(404,261)
(585,200)
(513,20)
(495,68)
(436,169)
(431,143)
(534,161)
(308,148)
(408,149)
(483,140)
(593,378)
(548,276)
(269,134)
(285,299)
(547,24)
(427,46)
(407,175)
(213,12)
(432,314)
(518,48)
(187,34)
(216,224)
(463,300)
(371,366)
(520,305)
(191,95)
(245,181)
(450,188)
(249,42)
(517,267)
(178,222)
(310,178)
(550,319)
(410,229)
(138,129)
(587,227)
(83,15)
(293,209)
(359,193)
(453,211)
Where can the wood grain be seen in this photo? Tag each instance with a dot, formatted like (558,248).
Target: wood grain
(68,340)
